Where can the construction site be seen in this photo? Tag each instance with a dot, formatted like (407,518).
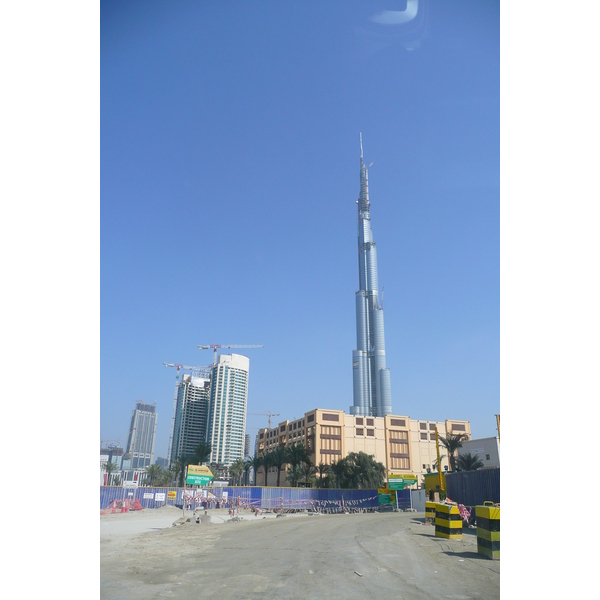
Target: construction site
(244,553)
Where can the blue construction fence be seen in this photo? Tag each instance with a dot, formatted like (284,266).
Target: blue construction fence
(321,500)
(145,495)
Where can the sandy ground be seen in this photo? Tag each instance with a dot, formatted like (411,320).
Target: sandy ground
(144,556)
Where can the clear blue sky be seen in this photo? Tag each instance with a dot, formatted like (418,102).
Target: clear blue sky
(229,174)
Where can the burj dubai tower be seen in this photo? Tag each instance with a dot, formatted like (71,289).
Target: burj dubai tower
(371,377)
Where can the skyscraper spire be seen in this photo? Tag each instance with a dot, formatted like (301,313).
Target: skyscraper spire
(363,200)
(371,377)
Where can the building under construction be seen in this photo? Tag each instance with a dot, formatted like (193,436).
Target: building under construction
(211,408)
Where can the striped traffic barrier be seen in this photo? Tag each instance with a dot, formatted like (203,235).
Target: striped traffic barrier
(430,512)
(488,531)
(448,522)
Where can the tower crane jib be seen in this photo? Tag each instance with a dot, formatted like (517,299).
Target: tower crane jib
(215,347)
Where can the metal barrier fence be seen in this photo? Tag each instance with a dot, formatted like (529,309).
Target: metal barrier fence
(109,494)
(403,499)
(320,500)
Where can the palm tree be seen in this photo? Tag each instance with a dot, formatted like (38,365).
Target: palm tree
(110,468)
(452,442)
(202,452)
(247,467)
(468,462)
(279,458)
(236,469)
(256,462)
(165,478)
(266,461)
(307,473)
(182,462)
(297,455)
(293,474)
(322,469)
(153,472)
(176,469)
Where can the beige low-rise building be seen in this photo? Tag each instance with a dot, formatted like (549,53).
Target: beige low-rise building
(403,445)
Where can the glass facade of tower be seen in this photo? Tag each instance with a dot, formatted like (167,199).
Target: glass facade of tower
(140,441)
(190,416)
(371,377)
(226,427)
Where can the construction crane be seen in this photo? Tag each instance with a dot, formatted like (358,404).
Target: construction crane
(216,346)
(498,425)
(203,371)
(269,414)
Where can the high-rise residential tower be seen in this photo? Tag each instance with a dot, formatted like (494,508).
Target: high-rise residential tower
(191,411)
(371,377)
(226,427)
(142,429)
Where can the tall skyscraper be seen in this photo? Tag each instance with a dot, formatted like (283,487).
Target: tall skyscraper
(142,430)
(371,377)
(247,446)
(226,426)
(191,411)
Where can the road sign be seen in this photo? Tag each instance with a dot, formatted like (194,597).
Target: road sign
(398,481)
(198,475)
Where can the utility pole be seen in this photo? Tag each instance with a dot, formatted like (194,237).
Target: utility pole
(437,450)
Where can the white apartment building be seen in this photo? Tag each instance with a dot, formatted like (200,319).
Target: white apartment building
(226,427)
(487,449)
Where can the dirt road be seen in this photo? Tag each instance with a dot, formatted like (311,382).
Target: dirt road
(298,556)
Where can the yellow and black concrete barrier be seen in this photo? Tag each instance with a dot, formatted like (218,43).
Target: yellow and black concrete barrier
(430,512)
(448,522)
(488,531)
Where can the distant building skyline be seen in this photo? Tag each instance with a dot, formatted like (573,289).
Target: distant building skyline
(370,376)
(141,438)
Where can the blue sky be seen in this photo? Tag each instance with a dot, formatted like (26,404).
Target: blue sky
(229,174)
(160,155)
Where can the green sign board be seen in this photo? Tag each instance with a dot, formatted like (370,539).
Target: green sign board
(197,479)
(386,496)
(399,482)
(198,475)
